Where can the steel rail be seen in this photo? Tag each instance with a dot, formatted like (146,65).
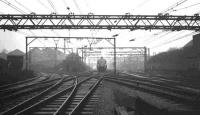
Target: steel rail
(50,99)
(166,83)
(32,89)
(62,108)
(3,87)
(156,85)
(153,90)
(75,110)
(24,104)
(16,89)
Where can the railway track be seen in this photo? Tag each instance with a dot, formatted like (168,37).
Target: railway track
(52,100)
(81,100)
(17,91)
(171,93)
(18,86)
(42,78)
(22,83)
(29,87)
(164,82)
(50,90)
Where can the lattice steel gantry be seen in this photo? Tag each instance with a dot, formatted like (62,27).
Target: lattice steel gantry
(132,22)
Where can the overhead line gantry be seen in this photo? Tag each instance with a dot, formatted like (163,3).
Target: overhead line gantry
(71,21)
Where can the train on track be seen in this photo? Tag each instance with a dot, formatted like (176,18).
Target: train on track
(101,65)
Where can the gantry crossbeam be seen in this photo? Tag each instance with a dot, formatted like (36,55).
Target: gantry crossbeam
(132,22)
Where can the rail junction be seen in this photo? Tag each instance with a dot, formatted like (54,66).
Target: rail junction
(70,94)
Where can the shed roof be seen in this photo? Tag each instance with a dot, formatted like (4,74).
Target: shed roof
(16,53)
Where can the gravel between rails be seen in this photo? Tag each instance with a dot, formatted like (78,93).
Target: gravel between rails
(159,102)
(106,102)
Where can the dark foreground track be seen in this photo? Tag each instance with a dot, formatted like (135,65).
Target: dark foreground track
(163,91)
(29,101)
(67,96)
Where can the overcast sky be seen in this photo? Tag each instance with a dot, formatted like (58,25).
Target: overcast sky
(157,40)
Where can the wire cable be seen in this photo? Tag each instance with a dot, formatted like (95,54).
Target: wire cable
(189,34)
(159,37)
(171,8)
(77,6)
(23,6)
(167,38)
(141,4)
(174,6)
(64,3)
(13,6)
(52,5)
(88,5)
(44,5)
(180,33)
(185,7)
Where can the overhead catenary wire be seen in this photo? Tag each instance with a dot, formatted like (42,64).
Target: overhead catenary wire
(65,3)
(44,5)
(13,6)
(161,41)
(23,12)
(38,39)
(17,9)
(174,6)
(23,6)
(171,8)
(180,33)
(77,6)
(52,5)
(141,4)
(177,34)
(87,4)
(49,10)
(149,37)
(184,36)
(165,34)
(153,37)
(185,7)
(92,31)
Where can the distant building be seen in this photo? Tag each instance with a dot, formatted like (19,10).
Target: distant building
(3,55)
(15,60)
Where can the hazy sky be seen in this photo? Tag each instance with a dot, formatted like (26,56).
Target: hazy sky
(157,40)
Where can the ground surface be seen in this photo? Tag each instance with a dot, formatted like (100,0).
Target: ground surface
(184,79)
(13,77)
(113,95)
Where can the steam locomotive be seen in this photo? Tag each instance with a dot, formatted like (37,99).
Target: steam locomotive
(101,65)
